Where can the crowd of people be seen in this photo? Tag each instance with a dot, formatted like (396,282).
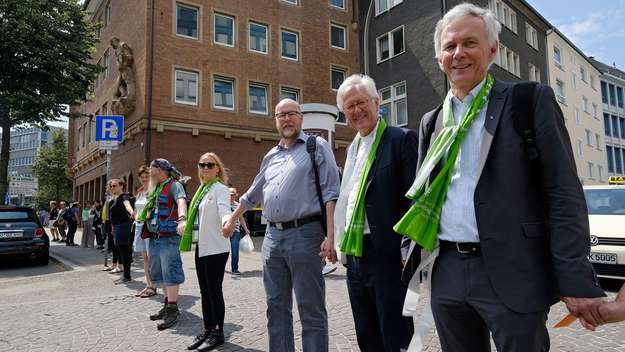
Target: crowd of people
(492,222)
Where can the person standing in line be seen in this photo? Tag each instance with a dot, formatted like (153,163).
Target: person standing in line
(210,209)
(236,235)
(141,244)
(121,213)
(54,228)
(72,218)
(107,230)
(96,223)
(60,222)
(87,232)
(285,187)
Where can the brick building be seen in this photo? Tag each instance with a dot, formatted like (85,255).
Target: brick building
(208,74)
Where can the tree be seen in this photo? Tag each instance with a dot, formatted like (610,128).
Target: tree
(49,169)
(45,55)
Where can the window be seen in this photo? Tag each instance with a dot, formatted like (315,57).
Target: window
(591,166)
(560,94)
(393,106)
(290,93)
(557,56)
(578,118)
(107,14)
(224,29)
(612,94)
(390,44)
(534,73)
(382,6)
(599,172)
(338,3)
(608,151)
(186,87)
(258,37)
(290,45)
(107,64)
(619,96)
(531,36)
(223,93)
(615,132)
(258,98)
(606,124)
(573,80)
(618,165)
(585,104)
(592,82)
(294,2)
(187,21)
(337,36)
(588,138)
(582,73)
(598,141)
(508,60)
(594,110)
(580,148)
(505,14)
(622,124)
(337,76)
(604,92)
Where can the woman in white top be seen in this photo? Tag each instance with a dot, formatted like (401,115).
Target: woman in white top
(140,244)
(212,200)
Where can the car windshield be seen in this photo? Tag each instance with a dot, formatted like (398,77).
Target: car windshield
(16,216)
(605,201)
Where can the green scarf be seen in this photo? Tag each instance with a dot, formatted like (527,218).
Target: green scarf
(187,237)
(352,242)
(151,199)
(421,222)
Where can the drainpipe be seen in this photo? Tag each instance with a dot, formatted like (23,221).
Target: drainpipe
(366,38)
(148,137)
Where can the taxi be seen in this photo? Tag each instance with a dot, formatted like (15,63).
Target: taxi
(606,215)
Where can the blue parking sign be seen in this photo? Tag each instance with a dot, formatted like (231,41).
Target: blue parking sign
(109,128)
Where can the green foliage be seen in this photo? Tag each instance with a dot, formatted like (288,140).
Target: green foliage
(49,169)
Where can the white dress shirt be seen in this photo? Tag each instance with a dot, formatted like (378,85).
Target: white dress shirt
(213,212)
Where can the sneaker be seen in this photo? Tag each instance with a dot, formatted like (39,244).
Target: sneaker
(236,272)
(327,269)
(199,339)
(121,280)
(170,318)
(216,339)
(159,315)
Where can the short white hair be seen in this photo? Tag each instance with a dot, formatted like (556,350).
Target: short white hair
(493,27)
(360,81)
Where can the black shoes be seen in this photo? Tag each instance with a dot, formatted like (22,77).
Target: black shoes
(199,339)
(215,339)
(160,314)
(170,317)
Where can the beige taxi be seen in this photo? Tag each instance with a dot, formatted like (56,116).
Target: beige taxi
(606,214)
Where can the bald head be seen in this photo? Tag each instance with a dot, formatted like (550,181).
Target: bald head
(288,119)
(287,104)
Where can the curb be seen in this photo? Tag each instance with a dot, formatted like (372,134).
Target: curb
(60,263)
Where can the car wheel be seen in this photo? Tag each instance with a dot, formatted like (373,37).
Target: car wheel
(42,258)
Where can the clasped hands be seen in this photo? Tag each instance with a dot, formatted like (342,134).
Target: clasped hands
(593,312)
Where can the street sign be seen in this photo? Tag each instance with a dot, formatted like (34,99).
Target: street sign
(109,131)
(108,145)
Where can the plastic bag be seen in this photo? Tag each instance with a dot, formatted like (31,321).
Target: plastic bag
(246,245)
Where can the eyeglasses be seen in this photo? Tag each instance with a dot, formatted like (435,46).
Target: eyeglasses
(206,165)
(361,105)
(113,186)
(289,114)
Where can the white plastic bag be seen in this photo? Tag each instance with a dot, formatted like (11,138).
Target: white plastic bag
(246,245)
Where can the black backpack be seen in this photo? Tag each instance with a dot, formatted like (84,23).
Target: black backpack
(311,148)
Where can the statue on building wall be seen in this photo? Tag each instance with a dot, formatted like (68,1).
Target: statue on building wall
(124,97)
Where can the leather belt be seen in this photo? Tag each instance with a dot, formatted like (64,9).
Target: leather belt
(295,223)
(462,247)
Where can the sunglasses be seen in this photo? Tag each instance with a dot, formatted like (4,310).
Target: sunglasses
(114,186)
(206,165)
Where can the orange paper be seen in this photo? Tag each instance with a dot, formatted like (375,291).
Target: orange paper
(568,320)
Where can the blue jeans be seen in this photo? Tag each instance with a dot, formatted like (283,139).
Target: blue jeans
(291,263)
(234,248)
(164,262)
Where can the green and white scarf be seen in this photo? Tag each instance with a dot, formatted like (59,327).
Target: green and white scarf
(422,220)
(151,200)
(352,242)
(187,237)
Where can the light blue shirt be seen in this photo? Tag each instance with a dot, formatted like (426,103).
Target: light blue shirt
(458,222)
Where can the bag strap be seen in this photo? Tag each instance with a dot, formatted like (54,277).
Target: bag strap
(311,148)
(523,116)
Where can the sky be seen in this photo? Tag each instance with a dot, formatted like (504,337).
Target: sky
(597,27)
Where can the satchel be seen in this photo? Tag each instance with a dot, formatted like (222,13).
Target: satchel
(246,245)
(145,233)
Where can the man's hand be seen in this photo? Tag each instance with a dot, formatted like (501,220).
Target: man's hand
(181,226)
(586,309)
(327,250)
(228,228)
(614,312)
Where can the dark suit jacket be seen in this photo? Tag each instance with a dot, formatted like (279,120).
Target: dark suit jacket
(532,218)
(390,177)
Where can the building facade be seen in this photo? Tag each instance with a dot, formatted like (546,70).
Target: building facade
(24,148)
(613,109)
(208,74)
(398,51)
(575,81)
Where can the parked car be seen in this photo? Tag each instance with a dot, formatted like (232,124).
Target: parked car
(21,234)
(606,214)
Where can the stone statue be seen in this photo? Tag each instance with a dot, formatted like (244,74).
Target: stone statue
(124,97)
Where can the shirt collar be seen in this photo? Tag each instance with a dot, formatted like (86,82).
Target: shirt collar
(371,136)
(472,94)
(301,138)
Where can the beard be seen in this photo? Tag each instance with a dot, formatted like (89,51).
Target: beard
(289,132)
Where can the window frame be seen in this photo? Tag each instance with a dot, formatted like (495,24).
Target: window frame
(344,7)
(198,20)
(342,27)
(560,97)
(249,37)
(197,85)
(267,88)
(393,100)
(297,91)
(391,47)
(390,5)
(343,69)
(558,63)
(234,29)
(297,44)
(224,78)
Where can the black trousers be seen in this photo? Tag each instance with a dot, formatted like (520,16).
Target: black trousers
(377,294)
(99,237)
(210,274)
(125,258)
(467,310)
(71,231)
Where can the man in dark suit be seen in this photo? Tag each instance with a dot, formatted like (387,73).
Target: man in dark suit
(513,233)
(380,167)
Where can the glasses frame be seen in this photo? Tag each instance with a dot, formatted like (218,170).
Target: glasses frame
(208,166)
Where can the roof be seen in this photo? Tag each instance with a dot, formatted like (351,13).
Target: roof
(579,51)
(549,25)
(608,69)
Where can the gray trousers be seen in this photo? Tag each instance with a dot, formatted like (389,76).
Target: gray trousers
(291,263)
(467,310)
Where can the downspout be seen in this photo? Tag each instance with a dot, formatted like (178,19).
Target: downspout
(366,38)
(444,9)
(148,137)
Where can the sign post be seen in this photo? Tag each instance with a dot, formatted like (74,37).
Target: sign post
(109,131)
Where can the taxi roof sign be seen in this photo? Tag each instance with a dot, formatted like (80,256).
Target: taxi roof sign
(616,180)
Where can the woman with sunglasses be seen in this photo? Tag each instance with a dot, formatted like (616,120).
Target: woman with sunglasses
(210,209)
(121,219)
(141,245)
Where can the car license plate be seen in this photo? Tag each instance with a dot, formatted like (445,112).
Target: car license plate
(602,258)
(11,234)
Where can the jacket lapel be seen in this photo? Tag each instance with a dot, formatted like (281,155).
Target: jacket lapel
(496,103)
(376,161)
